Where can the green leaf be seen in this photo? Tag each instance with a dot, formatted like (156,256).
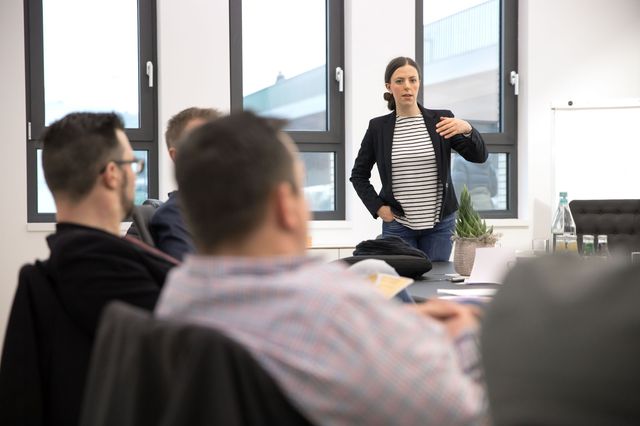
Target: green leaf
(469,224)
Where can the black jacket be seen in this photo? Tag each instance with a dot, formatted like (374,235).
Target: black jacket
(44,358)
(54,318)
(169,231)
(376,148)
(90,268)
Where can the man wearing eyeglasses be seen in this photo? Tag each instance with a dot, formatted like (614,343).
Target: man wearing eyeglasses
(90,169)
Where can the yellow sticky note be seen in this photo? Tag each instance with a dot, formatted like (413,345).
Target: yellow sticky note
(389,285)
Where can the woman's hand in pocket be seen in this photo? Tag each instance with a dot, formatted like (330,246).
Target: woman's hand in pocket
(385,213)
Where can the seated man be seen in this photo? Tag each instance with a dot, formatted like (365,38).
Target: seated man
(341,352)
(90,169)
(167,226)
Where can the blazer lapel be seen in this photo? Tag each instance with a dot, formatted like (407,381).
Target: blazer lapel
(387,141)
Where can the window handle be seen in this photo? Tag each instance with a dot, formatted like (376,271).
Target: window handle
(515,82)
(150,72)
(340,79)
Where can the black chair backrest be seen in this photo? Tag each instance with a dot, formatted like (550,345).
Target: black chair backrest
(141,217)
(618,219)
(45,356)
(147,371)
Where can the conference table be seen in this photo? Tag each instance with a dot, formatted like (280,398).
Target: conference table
(427,286)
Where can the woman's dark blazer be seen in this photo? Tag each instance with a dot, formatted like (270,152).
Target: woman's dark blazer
(376,148)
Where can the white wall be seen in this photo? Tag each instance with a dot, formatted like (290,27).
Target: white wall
(568,49)
(17,246)
(193,65)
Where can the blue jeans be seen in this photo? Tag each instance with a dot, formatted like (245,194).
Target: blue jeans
(435,243)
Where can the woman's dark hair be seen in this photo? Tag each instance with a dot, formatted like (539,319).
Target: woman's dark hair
(393,65)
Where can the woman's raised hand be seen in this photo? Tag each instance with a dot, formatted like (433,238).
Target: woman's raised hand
(448,127)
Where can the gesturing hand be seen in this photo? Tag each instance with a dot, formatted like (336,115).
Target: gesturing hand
(448,127)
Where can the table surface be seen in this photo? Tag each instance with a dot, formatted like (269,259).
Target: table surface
(427,287)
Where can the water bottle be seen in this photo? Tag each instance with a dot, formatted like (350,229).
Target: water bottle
(603,246)
(588,247)
(563,228)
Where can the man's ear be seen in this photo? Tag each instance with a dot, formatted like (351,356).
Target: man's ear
(172,153)
(285,206)
(110,178)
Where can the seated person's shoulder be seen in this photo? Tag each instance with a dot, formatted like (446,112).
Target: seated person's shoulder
(74,243)
(87,258)
(71,239)
(169,211)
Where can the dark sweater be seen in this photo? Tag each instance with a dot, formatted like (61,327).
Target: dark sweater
(169,231)
(90,268)
(54,318)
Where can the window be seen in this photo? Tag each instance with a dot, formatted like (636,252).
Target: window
(468,50)
(90,55)
(291,68)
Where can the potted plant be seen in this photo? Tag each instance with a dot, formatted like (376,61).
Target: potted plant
(470,233)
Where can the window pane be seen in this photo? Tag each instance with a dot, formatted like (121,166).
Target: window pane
(142,180)
(284,56)
(45,199)
(91,58)
(461,69)
(486,182)
(320,180)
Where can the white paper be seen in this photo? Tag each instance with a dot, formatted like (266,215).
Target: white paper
(491,265)
(468,292)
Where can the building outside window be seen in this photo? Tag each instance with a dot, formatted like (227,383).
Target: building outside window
(468,51)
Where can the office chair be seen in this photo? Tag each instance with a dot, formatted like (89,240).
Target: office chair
(618,219)
(141,217)
(148,371)
(45,356)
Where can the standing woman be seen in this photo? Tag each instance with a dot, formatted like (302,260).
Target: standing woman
(412,148)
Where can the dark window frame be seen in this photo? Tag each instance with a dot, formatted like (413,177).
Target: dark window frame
(331,140)
(143,138)
(505,141)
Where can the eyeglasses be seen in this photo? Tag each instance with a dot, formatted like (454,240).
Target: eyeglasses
(137,165)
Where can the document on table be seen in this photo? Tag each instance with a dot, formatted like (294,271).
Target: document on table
(491,265)
(389,285)
(467,292)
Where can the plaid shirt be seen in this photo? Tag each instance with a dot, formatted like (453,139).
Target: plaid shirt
(340,352)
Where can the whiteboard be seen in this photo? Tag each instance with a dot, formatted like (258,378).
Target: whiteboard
(596,150)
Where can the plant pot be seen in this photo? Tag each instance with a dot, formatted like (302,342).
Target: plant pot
(464,254)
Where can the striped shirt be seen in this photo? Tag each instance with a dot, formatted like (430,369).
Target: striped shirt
(341,353)
(414,174)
